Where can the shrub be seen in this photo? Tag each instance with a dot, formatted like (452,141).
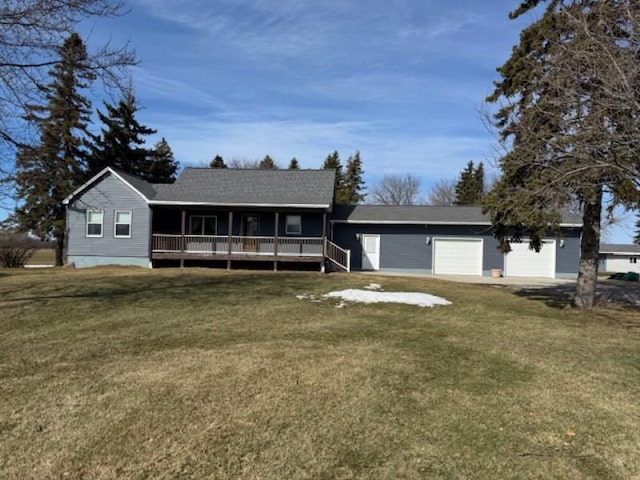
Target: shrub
(15,249)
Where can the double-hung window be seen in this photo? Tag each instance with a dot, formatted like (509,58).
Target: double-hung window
(122,224)
(203,225)
(293,225)
(95,219)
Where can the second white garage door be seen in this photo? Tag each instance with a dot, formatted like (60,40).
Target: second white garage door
(522,262)
(457,256)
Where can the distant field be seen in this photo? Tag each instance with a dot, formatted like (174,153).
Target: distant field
(43,256)
(130,373)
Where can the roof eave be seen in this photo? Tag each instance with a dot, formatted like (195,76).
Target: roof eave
(95,178)
(226,204)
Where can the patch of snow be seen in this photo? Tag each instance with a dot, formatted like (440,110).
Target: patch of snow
(302,297)
(409,298)
(373,286)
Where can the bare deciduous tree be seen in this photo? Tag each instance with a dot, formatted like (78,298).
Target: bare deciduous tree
(443,193)
(396,190)
(244,163)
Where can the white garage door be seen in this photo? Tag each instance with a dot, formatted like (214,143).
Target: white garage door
(459,256)
(522,262)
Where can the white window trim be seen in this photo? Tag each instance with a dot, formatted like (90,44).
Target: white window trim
(287,225)
(101,212)
(115,223)
(191,217)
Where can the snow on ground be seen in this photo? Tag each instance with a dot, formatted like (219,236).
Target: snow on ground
(373,286)
(367,296)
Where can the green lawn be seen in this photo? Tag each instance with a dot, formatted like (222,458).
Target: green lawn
(120,373)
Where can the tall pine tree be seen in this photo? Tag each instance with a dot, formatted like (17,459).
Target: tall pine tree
(293,164)
(332,162)
(217,162)
(121,142)
(267,163)
(162,164)
(353,186)
(49,171)
(470,186)
(636,238)
(568,118)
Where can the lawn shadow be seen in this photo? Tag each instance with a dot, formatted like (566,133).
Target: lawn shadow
(555,296)
(133,288)
(621,294)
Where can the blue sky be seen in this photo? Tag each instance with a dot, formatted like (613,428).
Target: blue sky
(402,81)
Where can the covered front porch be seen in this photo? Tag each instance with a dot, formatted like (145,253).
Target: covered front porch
(239,235)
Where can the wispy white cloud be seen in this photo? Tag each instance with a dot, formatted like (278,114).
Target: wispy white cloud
(164,88)
(431,157)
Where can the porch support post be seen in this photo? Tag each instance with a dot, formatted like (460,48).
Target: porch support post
(183,223)
(229,238)
(324,241)
(275,244)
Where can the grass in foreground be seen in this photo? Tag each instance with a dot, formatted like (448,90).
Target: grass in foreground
(118,373)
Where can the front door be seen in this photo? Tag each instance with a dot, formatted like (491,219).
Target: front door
(250,228)
(370,252)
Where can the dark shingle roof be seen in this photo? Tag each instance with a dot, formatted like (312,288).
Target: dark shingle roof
(144,187)
(620,248)
(409,214)
(221,186)
(454,215)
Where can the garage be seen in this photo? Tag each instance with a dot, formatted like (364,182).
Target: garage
(523,262)
(457,256)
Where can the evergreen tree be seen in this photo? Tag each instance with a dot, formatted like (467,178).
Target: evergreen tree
(636,239)
(121,142)
(49,171)
(162,164)
(568,119)
(332,162)
(267,163)
(470,186)
(218,162)
(353,187)
(293,164)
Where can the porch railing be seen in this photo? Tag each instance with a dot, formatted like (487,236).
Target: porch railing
(338,256)
(238,245)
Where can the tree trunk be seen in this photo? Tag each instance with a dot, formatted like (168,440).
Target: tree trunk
(589,250)
(59,250)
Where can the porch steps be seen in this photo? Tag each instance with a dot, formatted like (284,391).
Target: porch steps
(339,256)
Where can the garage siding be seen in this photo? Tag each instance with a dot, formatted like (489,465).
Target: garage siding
(404,248)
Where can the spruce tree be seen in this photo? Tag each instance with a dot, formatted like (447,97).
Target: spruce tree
(121,142)
(470,186)
(162,164)
(49,171)
(568,119)
(217,162)
(332,162)
(293,164)
(636,239)
(267,163)
(353,187)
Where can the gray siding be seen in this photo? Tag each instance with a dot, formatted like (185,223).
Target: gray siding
(109,194)
(405,248)
(568,256)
